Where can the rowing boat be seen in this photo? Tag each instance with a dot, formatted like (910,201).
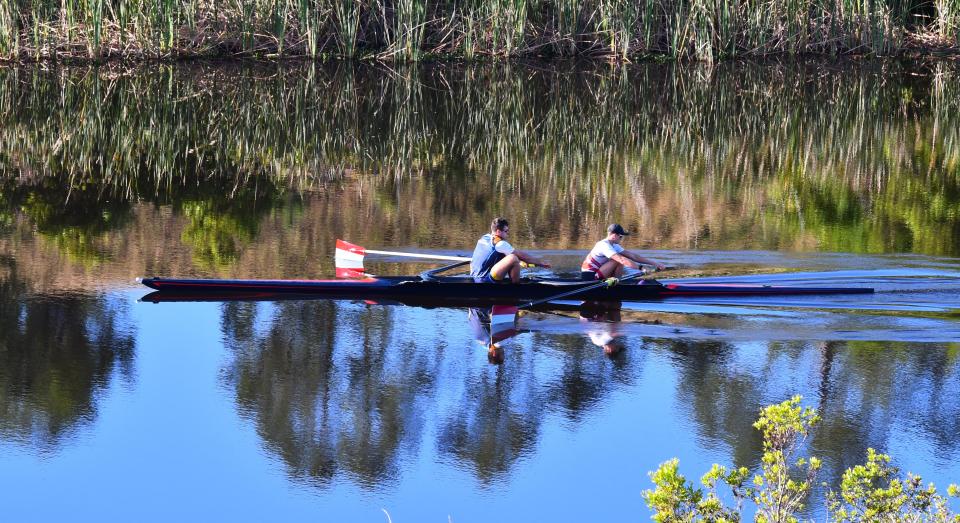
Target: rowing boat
(430,286)
(464,289)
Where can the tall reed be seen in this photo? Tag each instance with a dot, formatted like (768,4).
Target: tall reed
(405,28)
(8,30)
(947,24)
(408,30)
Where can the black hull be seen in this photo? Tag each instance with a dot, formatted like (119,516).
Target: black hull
(462,290)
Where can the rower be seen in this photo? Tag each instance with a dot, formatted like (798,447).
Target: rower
(608,258)
(494,259)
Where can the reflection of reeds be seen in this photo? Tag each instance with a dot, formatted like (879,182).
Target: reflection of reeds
(813,157)
(408,30)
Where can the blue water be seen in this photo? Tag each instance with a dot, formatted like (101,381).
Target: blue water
(112,409)
(343,410)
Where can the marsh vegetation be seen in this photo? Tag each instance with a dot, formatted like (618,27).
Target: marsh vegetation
(413,30)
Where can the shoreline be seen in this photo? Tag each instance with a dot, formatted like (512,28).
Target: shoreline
(914,53)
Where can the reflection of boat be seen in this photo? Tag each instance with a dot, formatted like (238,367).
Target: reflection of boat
(464,289)
(426,303)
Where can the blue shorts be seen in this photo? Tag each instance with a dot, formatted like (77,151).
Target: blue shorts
(590,275)
(487,278)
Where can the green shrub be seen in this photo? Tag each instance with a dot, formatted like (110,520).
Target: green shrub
(868,493)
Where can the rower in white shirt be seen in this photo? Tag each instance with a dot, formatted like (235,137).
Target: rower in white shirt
(608,258)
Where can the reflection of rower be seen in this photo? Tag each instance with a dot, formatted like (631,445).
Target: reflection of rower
(604,320)
(491,326)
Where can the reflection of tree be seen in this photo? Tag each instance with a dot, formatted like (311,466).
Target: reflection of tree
(723,399)
(584,379)
(221,223)
(77,219)
(337,388)
(56,355)
(870,386)
(499,415)
(496,421)
(277,381)
(325,399)
(222,217)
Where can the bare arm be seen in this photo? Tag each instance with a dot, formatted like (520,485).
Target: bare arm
(640,259)
(531,259)
(625,260)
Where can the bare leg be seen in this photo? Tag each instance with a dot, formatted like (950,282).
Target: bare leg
(611,268)
(509,265)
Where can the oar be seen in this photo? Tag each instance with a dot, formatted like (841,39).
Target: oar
(609,282)
(347,252)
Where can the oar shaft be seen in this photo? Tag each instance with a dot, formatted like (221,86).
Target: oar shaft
(578,291)
(419,255)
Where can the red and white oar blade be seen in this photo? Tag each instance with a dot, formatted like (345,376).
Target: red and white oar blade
(349,260)
(348,252)
(503,322)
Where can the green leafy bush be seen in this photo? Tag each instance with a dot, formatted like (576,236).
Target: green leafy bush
(870,492)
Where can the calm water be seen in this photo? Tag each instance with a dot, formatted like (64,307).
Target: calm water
(801,173)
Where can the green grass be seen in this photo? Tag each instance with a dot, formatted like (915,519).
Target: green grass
(410,30)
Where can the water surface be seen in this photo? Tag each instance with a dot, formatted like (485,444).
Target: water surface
(839,173)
